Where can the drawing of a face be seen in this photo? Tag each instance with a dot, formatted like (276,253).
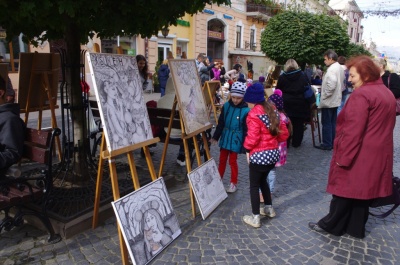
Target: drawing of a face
(150,222)
(110,89)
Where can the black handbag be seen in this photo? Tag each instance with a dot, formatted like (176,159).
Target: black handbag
(389,200)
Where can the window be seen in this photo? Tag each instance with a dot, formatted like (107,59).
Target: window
(252,38)
(238,36)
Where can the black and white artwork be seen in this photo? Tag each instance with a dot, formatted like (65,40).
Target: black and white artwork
(119,94)
(207,187)
(189,93)
(147,221)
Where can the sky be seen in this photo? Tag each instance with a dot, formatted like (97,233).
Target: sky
(385,32)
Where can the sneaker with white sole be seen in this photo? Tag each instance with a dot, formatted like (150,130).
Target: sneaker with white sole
(252,220)
(181,160)
(267,210)
(232,188)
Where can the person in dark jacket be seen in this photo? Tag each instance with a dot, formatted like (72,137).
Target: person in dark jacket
(390,80)
(12,131)
(230,132)
(292,82)
(163,74)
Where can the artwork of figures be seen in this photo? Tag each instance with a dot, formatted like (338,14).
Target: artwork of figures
(189,94)
(207,187)
(119,95)
(147,221)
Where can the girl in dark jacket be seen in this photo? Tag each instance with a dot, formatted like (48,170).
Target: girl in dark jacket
(292,82)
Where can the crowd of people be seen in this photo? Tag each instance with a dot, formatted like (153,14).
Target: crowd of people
(358,114)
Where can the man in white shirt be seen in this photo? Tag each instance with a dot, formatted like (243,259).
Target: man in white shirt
(331,97)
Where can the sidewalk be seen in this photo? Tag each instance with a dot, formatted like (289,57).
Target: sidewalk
(223,238)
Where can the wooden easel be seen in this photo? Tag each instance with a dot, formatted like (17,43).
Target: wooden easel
(45,94)
(185,139)
(110,156)
(209,90)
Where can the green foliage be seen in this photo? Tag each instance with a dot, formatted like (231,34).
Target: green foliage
(303,36)
(355,49)
(106,17)
(155,75)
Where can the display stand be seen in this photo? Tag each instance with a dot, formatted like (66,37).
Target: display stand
(110,156)
(41,70)
(209,89)
(185,139)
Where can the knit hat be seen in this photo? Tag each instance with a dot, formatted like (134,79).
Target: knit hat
(238,89)
(277,100)
(254,93)
(261,79)
(278,92)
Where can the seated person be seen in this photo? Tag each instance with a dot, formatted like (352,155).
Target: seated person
(12,131)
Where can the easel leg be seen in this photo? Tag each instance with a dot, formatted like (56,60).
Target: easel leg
(115,189)
(132,166)
(189,168)
(150,163)
(206,147)
(98,186)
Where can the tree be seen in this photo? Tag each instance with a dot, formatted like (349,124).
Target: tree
(74,21)
(355,49)
(303,36)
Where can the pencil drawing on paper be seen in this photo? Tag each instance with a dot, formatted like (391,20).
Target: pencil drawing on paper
(119,93)
(147,220)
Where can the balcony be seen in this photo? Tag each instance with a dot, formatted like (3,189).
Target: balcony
(261,13)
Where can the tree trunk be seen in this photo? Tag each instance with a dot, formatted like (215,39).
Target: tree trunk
(73,79)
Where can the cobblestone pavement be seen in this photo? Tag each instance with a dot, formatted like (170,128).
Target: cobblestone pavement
(223,238)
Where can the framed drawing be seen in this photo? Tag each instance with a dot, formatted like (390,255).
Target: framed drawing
(119,94)
(147,221)
(207,187)
(189,94)
(29,64)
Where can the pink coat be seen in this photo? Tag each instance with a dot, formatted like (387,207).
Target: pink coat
(258,137)
(364,144)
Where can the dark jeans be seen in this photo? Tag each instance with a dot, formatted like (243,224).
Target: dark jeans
(298,130)
(258,180)
(346,216)
(328,121)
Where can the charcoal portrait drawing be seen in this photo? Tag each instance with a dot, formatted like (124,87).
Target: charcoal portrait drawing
(119,93)
(147,221)
(207,187)
(189,93)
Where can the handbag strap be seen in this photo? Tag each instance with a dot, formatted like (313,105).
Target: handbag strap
(389,80)
(381,216)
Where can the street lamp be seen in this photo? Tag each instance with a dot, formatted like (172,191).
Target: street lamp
(165,31)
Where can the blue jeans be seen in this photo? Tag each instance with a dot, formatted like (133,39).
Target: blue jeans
(271,179)
(345,96)
(162,90)
(328,121)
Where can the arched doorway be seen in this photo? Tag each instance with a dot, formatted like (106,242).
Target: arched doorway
(215,39)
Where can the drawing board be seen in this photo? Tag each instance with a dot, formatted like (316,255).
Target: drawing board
(207,187)
(147,221)
(189,94)
(119,94)
(31,67)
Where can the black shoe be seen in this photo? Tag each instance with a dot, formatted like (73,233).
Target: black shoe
(323,147)
(316,227)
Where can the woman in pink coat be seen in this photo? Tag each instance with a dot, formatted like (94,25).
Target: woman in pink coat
(362,161)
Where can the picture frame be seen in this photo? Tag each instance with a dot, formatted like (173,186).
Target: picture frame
(207,187)
(119,93)
(147,220)
(189,94)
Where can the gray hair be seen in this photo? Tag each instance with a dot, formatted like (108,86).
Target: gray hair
(290,65)
(331,54)
(380,62)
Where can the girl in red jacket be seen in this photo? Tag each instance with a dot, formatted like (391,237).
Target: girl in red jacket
(265,131)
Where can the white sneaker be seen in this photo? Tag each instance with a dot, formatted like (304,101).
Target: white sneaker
(182,163)
(267,210)
(232,188)
(253,220)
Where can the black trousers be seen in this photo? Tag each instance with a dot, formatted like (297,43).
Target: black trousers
(258,180)
(298,130)
(346,216)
